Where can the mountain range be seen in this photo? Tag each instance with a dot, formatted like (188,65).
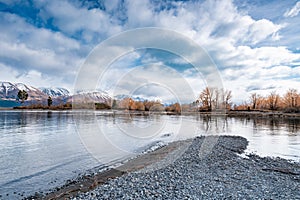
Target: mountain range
(9,92)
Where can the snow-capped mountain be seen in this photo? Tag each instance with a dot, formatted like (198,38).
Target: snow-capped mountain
(97,97)
(124,96)
(55,92)
(137,98)
(27,88)
(8,90)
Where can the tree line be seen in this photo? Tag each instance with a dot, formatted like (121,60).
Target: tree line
(210,99)
(214,99)
(288,102)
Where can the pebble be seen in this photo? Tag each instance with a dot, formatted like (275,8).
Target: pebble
(222,174)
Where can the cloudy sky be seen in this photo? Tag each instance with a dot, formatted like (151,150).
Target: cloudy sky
(255,44)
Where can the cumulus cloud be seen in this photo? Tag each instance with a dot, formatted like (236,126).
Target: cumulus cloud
(17,30)
(152,81)
(31,77)
(245,48)
(91,25)
(28,51)
(227,34)
(294,11)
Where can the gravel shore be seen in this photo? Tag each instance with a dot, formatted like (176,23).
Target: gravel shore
(222,174)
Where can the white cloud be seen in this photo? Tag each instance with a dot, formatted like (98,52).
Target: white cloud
(8,73)
(19,35)
(26,49)
(31,77)
(245,48)
(17,30)
(224,31)
(260,57)
(294,11)
(93,24)
(261,29)
(153,80)
(140,13)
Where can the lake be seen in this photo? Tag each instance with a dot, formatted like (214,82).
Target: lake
(40,150)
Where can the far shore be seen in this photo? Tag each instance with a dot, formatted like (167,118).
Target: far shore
(228,113)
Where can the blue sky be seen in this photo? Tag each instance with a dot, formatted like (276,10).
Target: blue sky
(255,44)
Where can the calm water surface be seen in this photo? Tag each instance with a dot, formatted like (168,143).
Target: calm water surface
(41,149)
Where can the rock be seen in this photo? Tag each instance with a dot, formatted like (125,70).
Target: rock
(222,174)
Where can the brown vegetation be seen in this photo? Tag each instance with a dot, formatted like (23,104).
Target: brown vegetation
(130,104)
(214,99)
(289,102)
(43,107)
(176,108)
(210,99)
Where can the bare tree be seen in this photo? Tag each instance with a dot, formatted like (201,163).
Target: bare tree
(290,98)
(227,96)
(255,100)
(217,98)
(273,100)
(206,98)
(214,98)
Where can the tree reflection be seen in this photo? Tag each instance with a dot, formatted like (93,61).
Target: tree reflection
(214,124)
(274,124)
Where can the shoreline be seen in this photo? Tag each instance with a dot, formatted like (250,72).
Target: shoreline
(89,181)
(232,113)
(129,180)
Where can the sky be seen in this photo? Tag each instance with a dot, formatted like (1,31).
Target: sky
(255,45)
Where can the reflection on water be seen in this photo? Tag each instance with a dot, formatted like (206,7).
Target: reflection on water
(41,149)
(266,136)
(273,125)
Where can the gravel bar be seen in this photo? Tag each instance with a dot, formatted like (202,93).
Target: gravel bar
(222,174)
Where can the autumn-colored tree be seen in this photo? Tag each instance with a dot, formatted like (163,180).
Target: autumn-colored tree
(289,102)
(157,106)
(226,99)
(290,99)
(256,100)
(148,105)
(177,108)
(174,108)
(124,103)
(214,98)
(217,98)
(206,98)
(139,106)
(273,100)
(131,104)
